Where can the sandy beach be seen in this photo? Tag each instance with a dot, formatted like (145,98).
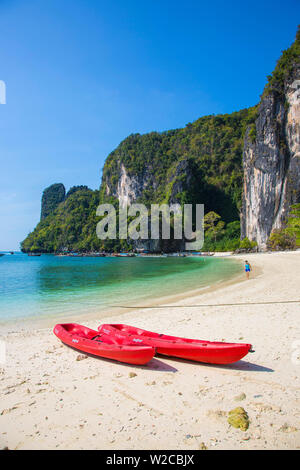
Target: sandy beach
(52,400)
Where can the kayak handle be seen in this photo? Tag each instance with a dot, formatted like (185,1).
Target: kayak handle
(251,350)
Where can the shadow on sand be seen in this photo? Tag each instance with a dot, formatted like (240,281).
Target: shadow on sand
(160,366)
(154,364)
(240,365)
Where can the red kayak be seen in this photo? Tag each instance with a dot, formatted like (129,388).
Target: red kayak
(98,343)
(192,349)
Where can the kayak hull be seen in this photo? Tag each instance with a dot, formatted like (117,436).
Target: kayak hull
(99,344)
(184,348)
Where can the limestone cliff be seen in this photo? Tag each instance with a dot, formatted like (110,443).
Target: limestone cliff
(200,163)
(271,158)
(129,188)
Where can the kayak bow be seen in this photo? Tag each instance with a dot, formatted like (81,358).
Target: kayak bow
(99,344)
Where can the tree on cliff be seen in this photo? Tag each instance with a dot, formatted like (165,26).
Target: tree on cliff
(74,189)
(213,225)
(293,224)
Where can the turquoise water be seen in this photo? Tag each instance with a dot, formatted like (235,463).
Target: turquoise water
(50,286)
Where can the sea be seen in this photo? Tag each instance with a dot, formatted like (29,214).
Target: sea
(55,287)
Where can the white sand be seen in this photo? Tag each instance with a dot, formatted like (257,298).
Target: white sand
(50,400)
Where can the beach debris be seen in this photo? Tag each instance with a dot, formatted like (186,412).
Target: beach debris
(151,383)
(240,397)
(287,428)
(202,446)
(264,407)
(8,410)
(216,414)
(238,418)
(202,390)
(81,357)
(132,374)
(188,439)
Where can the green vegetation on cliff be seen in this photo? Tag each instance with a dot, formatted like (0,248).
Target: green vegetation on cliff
(201,163)
(293,222)
(52,197)
(287,238)
(72,226)
(285,67)
(74,189)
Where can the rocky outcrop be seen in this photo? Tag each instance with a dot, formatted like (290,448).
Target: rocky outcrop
(199,163)
(52,197)
(129,188)
(271,160)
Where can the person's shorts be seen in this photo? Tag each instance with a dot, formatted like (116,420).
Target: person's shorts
(247,270)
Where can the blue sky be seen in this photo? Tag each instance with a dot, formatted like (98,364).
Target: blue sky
(81,75)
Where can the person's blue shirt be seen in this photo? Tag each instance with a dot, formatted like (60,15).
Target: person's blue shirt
(247,267)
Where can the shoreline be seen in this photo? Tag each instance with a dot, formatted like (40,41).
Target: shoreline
(44,388)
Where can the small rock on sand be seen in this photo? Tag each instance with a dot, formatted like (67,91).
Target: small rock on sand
(238,418)
(240,397)
(217,414)
(287,428)
(8,410)
(202,446)
(81,357)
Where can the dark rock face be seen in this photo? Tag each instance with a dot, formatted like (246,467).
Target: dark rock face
(52,197)
(272,163)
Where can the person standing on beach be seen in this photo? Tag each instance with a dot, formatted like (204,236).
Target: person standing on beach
(247,269)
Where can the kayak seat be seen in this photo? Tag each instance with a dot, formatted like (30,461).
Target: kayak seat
(98,340)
